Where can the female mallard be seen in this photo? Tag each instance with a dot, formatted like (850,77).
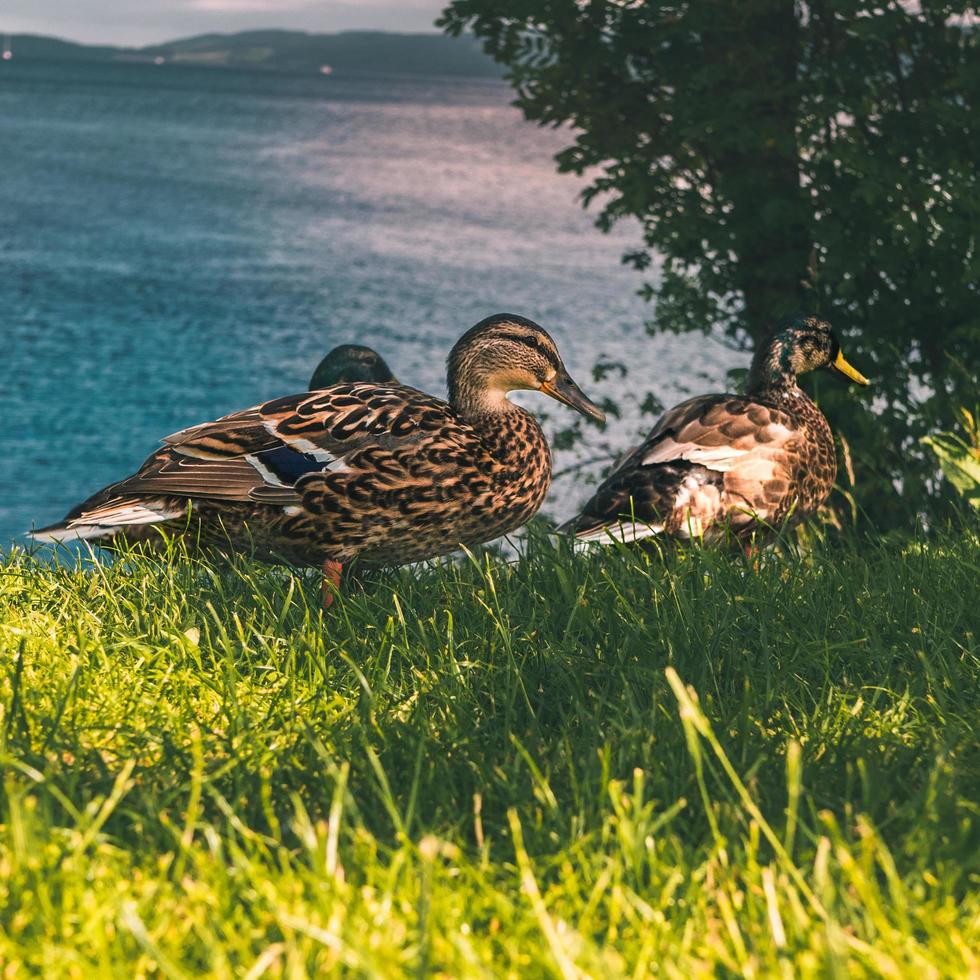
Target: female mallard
(378,472)
(730,463)
(348,363)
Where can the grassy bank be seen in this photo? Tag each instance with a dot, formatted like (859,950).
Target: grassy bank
(610,764)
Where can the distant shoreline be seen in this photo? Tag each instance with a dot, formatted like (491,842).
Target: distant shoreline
(345,53)
(172,67)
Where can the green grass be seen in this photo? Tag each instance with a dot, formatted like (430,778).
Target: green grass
(608,764)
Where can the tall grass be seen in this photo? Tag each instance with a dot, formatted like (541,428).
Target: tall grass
(606,764)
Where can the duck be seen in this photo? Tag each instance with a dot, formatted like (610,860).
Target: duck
(721,465)
(376,472)
(351,362)
(344,363)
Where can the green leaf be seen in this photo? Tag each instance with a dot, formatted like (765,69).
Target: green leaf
(959,464)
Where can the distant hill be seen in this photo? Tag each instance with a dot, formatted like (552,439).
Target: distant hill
(51,48)
(348,52)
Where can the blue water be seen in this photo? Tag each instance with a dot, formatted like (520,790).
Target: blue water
(177,243)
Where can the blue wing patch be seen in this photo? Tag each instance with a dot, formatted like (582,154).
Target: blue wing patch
(288,465)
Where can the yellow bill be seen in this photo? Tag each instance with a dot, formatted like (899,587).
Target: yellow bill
(851,373)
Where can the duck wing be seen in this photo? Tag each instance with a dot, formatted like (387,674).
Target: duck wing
(710,458)
(264,454)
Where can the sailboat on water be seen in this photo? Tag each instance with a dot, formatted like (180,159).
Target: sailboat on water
(8,48)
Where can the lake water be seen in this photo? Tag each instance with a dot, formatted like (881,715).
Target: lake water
(178,243)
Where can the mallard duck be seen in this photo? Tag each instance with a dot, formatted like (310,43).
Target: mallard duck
(351,362)
(344,363)
(382,473)
(739,464)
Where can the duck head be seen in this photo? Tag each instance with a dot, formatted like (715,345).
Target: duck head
(349,363)
(506,353)
(801,342)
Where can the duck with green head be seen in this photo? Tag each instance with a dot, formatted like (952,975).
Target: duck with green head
(377,472)
(730,464)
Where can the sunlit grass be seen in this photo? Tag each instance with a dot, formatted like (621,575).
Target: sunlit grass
(611,764)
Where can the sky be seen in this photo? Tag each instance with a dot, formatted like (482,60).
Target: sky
(148,21)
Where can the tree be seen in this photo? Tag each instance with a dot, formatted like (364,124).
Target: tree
(783,156)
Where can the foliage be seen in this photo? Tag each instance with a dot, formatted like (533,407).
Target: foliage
(960,457)
(783,155)
(614,764)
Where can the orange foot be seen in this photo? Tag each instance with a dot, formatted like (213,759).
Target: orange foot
(331,581)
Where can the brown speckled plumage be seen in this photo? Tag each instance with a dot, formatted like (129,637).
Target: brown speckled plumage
(379,472)
(719,464)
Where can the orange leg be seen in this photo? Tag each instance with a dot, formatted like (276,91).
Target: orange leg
(331,581)
(752,554)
